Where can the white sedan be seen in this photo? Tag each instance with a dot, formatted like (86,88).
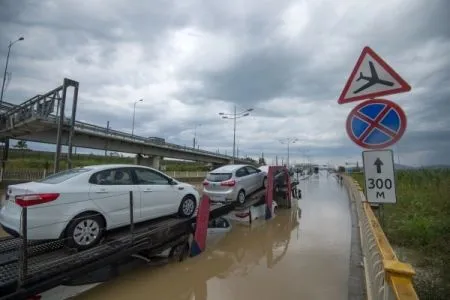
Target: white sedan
(79,204)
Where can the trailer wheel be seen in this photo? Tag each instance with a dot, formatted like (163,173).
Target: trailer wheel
(179,252)
(84,231)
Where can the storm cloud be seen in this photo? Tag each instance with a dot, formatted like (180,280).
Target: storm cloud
(190,60)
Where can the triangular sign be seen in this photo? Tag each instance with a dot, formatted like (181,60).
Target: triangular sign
(372,77)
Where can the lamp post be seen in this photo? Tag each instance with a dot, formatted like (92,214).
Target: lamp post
(288,141)
(134,114)
(6,66)
(195,135)
(234,116)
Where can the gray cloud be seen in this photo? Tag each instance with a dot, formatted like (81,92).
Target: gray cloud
(191,60)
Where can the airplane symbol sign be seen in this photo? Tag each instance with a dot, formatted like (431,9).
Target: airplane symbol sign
(372,77)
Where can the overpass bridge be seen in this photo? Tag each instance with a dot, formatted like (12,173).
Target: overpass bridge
(42,119)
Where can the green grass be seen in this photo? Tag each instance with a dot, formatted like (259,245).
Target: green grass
(420,221)
(26,159)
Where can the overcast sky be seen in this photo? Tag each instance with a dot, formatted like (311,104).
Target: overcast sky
(190,60)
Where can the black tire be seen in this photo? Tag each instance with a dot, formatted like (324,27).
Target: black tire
(92,227)
(264,186)
(187,206)
(179,252)
(241,197)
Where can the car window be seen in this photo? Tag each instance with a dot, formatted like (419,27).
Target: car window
(120,176)
(63,176)
(218,177)
(146,176)
(251,170)
(241,172)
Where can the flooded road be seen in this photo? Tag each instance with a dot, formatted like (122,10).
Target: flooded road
(289,257)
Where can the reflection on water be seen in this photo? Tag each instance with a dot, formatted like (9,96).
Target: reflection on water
(264,244)
(284,258)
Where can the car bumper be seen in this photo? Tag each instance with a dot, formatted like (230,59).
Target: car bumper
(36,229)
(221,196)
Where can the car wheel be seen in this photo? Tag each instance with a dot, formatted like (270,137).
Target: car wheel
(241,197)
(179,252)
(265,183)
(85,231)
(187,206)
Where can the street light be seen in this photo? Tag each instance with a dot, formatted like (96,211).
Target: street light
(134,114)
(6,66)
(234,116)
(288,141)
(195,135)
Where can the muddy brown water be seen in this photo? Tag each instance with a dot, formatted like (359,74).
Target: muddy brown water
(300,254)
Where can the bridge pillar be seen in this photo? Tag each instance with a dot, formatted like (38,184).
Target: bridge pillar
(151,161)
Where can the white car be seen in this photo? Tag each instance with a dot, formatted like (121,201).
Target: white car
(231,183)
(78,204)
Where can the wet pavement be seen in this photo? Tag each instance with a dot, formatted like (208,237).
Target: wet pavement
(300,254)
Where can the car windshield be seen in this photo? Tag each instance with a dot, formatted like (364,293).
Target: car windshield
(217,177)
(63,176)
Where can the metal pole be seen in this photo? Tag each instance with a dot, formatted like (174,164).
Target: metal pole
(4,158)
(234,135)
(106,144)
(60,129)
(195,135)
(131,216)
(23,262)
(288,154)
(4,74)
(134,113)
(72,122)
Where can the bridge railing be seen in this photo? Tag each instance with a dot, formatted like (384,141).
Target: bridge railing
(43,107)
(387,278)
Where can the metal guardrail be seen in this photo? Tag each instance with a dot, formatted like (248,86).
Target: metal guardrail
(387,278)
(34,108)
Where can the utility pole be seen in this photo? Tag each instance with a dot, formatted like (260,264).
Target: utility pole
(234,116)
(106,145)
(6,66)
(288,141)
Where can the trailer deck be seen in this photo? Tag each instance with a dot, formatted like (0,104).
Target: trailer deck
(50,263)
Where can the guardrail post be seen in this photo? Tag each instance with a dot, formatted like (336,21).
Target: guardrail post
(23,259)
(131,216)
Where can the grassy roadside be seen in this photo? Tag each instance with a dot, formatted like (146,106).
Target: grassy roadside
(418,227)
(39,160)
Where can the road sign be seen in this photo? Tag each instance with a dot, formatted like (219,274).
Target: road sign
(376,124)
(379,176)
(372,77)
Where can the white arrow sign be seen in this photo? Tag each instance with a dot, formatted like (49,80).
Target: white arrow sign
(379,176)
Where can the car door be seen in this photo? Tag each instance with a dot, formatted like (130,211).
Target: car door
(255,176)
(110,191)
(158,196)
(244,180)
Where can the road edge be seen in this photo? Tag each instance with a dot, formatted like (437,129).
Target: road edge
(356,280)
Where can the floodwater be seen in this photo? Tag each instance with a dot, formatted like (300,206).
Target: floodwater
(288,257)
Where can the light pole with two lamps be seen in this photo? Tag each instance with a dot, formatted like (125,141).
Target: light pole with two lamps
(234,116)
(288,141)
(195,135)
(134,114)
(6,66)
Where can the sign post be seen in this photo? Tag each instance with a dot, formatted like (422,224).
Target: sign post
(379,176)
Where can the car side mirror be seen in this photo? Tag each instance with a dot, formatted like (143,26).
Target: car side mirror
(172,182)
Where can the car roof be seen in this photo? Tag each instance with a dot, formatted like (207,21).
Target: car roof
(111,166)
(228,168)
